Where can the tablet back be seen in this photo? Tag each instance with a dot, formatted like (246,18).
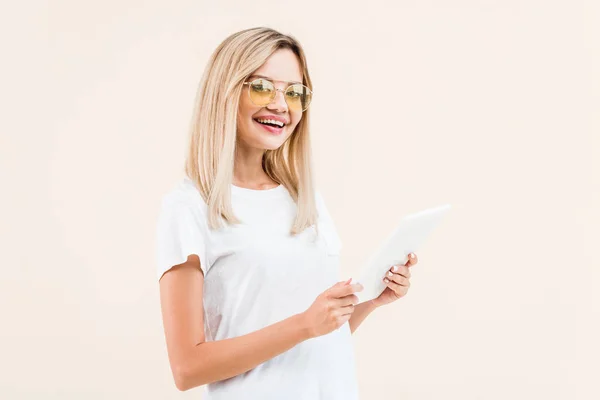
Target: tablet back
(408,236)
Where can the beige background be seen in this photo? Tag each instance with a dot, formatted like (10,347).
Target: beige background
(492,106)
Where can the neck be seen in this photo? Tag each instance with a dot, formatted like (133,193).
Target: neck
(248,171)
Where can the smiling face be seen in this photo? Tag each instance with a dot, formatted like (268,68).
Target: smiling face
(282,68)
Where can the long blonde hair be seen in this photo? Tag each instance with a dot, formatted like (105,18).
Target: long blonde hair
(211,147)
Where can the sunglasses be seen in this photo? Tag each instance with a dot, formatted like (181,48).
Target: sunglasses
(262,91)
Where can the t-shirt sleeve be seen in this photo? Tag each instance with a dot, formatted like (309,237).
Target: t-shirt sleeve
(327,225)
(180,232)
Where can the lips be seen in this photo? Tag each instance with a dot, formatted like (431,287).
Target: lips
(275,117)
(271,129)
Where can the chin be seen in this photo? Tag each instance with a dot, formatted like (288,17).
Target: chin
(269,141)
(273,144)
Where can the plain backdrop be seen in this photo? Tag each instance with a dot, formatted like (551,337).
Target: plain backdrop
(491,106)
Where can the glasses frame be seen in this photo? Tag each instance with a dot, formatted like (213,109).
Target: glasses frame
(284,91)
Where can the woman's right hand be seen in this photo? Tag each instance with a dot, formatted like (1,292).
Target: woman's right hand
(331,309)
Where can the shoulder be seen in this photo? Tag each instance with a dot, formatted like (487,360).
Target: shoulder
(326,222)
(322,208)
(318,195)
(184,193)
(320,201)
(181,227)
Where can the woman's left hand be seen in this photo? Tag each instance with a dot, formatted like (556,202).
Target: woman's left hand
(398,282)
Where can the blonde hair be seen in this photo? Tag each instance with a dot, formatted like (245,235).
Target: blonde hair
(212,139)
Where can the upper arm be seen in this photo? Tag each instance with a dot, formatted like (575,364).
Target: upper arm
(181,262)
(181,289)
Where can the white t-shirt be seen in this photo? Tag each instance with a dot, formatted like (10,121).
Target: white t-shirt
(256,274)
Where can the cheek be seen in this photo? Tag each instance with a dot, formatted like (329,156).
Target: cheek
(245,113)
(246,108)
(243,110)
(295,121)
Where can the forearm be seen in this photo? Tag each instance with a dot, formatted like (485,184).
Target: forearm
(361,312)
(213,361)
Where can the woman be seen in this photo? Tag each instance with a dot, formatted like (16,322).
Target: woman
(247,253)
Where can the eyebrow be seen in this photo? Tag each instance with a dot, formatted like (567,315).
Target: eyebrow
(271,79)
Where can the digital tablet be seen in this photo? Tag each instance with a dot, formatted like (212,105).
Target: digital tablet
(409,235)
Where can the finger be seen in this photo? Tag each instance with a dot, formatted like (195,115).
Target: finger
(341,283)
(332,290)
(342,291)
(412,260)
(404,271)
(346,310)
(401,269)
(394,286)
(345,301)
(398,279)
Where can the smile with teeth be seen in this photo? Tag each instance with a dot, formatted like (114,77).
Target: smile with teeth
(279,124)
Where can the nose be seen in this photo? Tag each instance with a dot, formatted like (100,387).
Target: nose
(278,102)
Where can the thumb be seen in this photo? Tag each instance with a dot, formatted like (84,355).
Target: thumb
(342,283)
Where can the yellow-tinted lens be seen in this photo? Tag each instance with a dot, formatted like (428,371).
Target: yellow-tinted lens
(298,97)
(262,92)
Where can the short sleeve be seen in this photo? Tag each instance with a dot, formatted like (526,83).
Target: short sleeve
(180,232)
(327,225)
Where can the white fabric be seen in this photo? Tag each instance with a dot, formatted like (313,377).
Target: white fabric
(256,274)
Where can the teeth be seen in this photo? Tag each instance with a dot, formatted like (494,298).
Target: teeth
(271,121)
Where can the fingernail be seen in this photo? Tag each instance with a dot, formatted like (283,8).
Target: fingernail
(394,268)
(390,274)
(412,255)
